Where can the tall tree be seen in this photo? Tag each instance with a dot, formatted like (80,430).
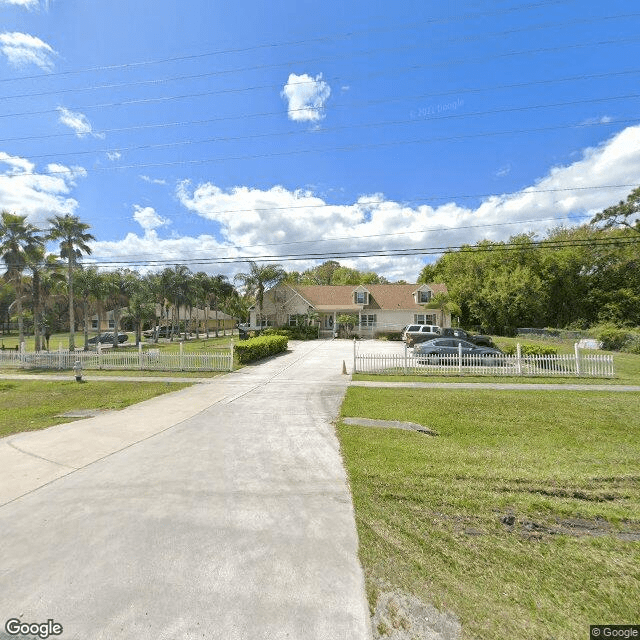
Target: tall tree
(258,280)
(72,236)
(624,214)
(219,289)
(19,241)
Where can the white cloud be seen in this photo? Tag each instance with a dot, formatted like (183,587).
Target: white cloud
(27,4)
(306,97)
(147,218)
(23,49)
(152,180)
(503,171)
(114,155)
(79,123)
(254,222)
(600,120)
(38,195)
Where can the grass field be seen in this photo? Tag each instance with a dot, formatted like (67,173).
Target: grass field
(27,405)
(522,517)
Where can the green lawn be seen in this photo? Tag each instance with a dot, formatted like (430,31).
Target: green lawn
(433,513)
(27,405)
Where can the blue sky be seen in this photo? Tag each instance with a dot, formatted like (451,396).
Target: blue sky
(205,133)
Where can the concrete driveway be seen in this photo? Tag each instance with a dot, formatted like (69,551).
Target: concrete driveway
(221,511)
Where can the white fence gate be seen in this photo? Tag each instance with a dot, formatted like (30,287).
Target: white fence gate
(576,364)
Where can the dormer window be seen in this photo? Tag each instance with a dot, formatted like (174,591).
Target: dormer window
(361,297)
(424,295)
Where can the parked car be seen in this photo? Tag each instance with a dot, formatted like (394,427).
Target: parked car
(107,338)
(163,332)
(416,333)
(442,350)
(484,341)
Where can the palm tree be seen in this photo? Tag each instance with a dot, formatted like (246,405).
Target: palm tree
(19,240)
(87,282)
(219,288)
(72,235)
(36,263)
(258,279)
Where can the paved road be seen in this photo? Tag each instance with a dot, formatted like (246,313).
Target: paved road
(220,511)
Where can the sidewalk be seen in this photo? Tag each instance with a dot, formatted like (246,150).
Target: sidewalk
(219,511)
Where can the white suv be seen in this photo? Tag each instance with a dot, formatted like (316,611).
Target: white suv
(415,333)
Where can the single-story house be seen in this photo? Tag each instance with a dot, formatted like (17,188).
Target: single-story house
(219,320)
(378,307)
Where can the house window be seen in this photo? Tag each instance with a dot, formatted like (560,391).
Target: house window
(94,324)
(368,320)
(293,320)
(112,324)
(361,297)
(424,318)
(424,296)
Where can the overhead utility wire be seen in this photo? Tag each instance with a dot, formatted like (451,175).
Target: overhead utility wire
(365,125)
(329,38)
(437,94)
(208,74)
(543,244)
(347,148)
(394,72)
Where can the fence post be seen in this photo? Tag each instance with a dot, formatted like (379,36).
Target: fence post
(22,354)
(140,355)
(99,348)
(59,356)
(405,359)
(576,348)
(354,355)
(460,358)
(181,358)
(518,359)
(231,354)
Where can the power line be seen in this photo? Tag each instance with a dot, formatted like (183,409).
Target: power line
(328,38)
(208,74)
(346,148)
(409,252)
(437,94)
(365,125)
(395,72)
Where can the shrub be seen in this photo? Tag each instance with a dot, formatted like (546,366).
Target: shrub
(389,335)
(302,332)
(531,350)
(262,347)
(613,338)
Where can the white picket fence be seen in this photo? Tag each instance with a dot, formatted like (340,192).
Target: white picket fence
(143,360)
(577,364)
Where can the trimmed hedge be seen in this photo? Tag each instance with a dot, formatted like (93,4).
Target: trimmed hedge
(531,350)
(294,333)
(262,347)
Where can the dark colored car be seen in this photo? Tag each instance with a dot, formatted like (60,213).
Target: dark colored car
(445,350)
(483,341)
(107,338)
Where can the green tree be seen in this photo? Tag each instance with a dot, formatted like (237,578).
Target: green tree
(258,280)
(624,214)
(72,236)
(19,243)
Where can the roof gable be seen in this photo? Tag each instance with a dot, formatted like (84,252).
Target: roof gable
(381,296)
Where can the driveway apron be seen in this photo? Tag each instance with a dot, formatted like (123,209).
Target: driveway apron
(235,523)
